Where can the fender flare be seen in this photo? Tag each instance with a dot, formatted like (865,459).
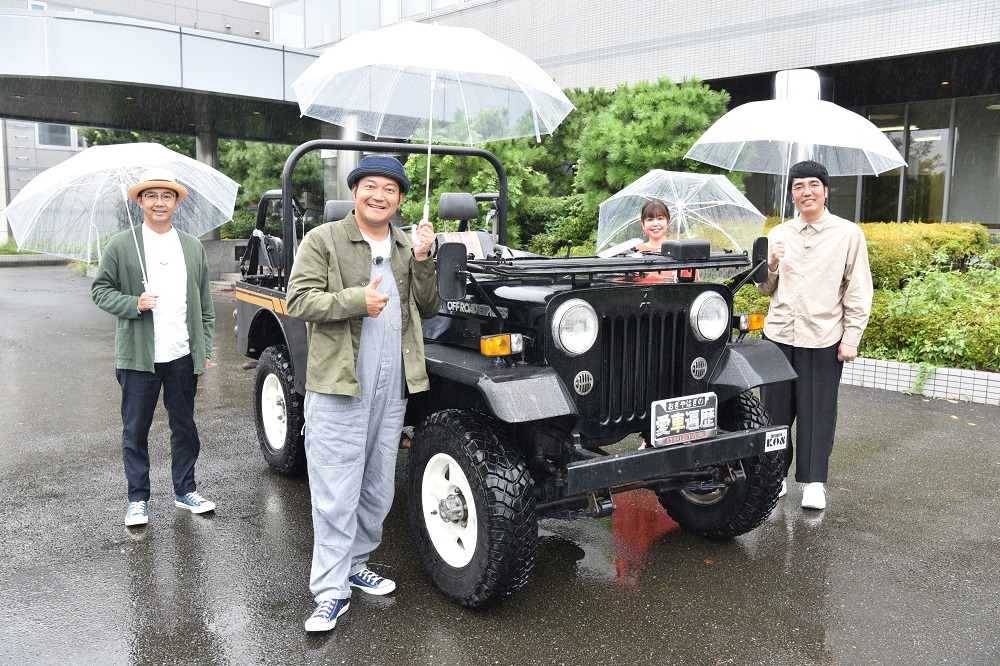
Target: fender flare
(748,364)
(513,394)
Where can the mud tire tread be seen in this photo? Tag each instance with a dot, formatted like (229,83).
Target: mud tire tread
(747,504)
(290,460)
(508,528)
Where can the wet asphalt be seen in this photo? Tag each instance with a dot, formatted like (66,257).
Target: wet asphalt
(903,567)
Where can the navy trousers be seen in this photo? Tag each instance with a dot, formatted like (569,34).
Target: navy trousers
(140,391)
(811,402)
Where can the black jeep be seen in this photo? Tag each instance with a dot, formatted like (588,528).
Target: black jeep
(538,365)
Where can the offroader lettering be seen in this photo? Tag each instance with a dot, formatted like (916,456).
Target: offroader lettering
(475,308)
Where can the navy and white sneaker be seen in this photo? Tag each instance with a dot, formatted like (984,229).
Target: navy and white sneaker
(194,503)
(136,513)
(324,618)
(368,581)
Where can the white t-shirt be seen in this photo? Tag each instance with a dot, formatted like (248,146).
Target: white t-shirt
(167,275)
(382,248)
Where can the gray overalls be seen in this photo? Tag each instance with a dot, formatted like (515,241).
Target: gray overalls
(351,448)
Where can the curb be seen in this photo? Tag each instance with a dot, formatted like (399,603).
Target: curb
(19,260)
(947,383)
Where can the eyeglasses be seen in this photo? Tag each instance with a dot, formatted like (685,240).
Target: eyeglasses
(799,188)
(166,197)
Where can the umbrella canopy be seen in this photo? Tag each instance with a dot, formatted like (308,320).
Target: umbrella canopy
(411,79)
(71,209)
(701,206)
(770,136)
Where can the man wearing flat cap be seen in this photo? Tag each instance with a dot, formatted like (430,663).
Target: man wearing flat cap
(362,286)
(156,284)
(820,285)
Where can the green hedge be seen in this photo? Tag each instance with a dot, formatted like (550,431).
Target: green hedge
(898,252)
(942,317)
(934,302)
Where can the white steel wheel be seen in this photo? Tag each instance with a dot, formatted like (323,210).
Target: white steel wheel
(273,412)
(449,510)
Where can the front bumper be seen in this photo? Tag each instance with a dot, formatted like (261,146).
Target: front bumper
(649,464)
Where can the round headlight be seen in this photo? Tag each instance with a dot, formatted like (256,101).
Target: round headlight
(710,316)
(574,327)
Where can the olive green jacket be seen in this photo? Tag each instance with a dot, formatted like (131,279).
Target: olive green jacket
(118,285)
(326,289)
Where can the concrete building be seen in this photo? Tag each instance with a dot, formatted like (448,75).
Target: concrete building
(203,68)
(926,71)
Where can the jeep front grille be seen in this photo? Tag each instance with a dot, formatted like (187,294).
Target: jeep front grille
(638,362)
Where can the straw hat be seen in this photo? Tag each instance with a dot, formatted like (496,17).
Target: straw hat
(157,177)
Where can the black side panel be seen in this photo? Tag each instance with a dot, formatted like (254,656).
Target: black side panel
(748,364)
(514,394)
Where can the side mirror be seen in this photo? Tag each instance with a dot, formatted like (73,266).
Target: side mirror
(452,268)
(759,259)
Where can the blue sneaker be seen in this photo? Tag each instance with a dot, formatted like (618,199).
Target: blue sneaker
(324,618)
(194,503)
(136,513)
(368,581)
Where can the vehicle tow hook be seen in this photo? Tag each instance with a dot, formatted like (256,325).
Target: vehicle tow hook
(599,507)
(452,509)
(736,474)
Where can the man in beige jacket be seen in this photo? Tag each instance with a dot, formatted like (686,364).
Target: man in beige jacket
(821,297)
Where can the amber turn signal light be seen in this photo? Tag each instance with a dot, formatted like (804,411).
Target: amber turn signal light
(503,344)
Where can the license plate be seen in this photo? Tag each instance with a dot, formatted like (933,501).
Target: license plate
(686,419)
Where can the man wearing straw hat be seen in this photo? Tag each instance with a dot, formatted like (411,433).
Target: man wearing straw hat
(156,284)
(362,285)
(820,285)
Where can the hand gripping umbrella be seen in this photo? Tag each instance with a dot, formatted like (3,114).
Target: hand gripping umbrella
(71,209)
(701,206)
(770,136)
(412,80)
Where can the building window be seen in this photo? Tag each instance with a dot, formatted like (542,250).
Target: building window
(357,17)
(288,25)
(388,12)
(323,22)
(413,8)
(57,136)
(38,6)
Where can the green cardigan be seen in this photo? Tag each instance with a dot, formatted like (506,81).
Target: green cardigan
(117,288)
(326,289)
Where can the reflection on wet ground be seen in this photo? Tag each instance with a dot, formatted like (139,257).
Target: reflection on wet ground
(901,568)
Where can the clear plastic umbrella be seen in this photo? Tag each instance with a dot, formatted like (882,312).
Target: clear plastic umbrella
(770,136)
(71,209)
(702,206)
(421,81)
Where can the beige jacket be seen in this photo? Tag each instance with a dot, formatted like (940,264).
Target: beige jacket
(822,292)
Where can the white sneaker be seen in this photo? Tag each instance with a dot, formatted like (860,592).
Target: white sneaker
(784,489)
(813,496)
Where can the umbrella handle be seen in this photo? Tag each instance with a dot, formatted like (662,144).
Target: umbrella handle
(131,225)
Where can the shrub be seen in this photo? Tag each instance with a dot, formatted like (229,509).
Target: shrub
(242,225)
(897,252)
(548,223)
(943,317)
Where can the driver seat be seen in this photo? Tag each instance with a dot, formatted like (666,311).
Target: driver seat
(463,206)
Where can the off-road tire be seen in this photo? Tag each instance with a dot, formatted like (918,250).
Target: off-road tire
(279,414)
(744,505)
(500,516)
